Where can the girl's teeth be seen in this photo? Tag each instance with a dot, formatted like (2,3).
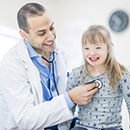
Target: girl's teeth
(94,59)
(50,43)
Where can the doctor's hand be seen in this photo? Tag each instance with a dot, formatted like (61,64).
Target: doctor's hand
(82,94)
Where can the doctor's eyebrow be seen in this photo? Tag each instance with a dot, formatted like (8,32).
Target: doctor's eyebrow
(43,30)
(52,25)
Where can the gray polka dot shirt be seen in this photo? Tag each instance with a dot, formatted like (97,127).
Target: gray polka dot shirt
(105,108)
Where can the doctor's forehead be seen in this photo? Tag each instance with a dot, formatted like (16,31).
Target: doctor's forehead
(40,22)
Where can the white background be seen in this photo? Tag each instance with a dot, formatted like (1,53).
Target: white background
(71,18)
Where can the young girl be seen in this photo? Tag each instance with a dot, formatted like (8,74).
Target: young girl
(104,110)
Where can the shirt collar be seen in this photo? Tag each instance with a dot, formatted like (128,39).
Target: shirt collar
(31,50)
(33,53)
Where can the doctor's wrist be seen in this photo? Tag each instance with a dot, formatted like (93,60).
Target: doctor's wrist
(68,101)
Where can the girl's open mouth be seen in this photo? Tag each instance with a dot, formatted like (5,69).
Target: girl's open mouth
(94,59)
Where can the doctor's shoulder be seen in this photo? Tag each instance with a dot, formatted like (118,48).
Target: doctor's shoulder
(8,54)
(11,57)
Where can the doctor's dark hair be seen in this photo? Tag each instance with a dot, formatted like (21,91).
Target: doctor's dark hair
(28,10)
(99,34)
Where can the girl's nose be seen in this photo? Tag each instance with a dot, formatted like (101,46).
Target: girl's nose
(92,52)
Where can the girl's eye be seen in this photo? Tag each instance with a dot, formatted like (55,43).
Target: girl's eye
(86,48)
(98,47)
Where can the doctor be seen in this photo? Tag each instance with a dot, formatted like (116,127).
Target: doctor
(32,97)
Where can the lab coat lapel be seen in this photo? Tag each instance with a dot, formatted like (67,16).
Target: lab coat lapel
(61,69)
(32,71)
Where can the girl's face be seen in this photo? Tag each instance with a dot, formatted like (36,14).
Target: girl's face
(95,54)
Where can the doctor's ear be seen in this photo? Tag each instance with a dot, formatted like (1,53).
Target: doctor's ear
(23,33)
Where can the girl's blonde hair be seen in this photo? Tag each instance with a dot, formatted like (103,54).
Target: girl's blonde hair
(98,33)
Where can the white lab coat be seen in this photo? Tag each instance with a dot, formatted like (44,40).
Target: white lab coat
(21,98)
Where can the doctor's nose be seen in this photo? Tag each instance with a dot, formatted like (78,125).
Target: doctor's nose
(51,35)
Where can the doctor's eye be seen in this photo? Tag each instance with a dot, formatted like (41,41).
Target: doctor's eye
(41,34)
(51,28)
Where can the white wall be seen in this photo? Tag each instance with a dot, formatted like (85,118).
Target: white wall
(72,15)
(71,18)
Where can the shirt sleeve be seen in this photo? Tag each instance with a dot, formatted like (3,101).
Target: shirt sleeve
(68,101)
(125,88)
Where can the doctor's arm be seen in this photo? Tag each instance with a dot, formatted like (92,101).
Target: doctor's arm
(23,101)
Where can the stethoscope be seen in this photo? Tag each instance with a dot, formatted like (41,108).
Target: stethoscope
(98,81)
(52,61)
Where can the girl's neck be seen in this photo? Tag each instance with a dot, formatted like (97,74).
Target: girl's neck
(96,71)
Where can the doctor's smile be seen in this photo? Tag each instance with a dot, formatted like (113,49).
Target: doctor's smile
(49,44)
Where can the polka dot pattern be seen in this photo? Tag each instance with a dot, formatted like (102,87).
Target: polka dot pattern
(105,108)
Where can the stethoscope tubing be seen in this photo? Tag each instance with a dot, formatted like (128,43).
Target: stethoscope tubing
(52,61)
(53,71)
(54,78)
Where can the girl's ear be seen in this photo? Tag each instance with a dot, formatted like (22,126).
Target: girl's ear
(22,33)
(112,44)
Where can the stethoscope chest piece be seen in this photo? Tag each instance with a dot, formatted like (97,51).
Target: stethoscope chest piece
(98,83)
